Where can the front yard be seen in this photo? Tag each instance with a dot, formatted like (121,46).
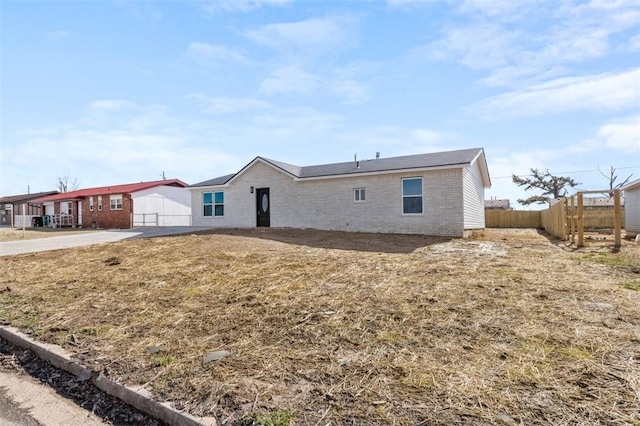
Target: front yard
(334,328)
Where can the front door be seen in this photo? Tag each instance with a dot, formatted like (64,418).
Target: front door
(263,202)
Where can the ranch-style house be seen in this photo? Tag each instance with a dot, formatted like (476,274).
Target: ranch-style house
(439,194)
(156,203)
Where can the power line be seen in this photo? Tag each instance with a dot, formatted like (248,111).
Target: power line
(575,171)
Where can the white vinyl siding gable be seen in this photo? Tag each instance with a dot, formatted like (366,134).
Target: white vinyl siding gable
(632,210)
(473,190)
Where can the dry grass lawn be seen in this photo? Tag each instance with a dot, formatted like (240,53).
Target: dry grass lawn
(15,234)
(331,328)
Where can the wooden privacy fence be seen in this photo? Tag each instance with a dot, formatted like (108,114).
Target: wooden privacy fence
(568,218)
(554,219)
(512,219)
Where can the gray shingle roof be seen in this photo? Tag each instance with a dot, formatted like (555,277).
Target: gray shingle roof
(497,204)
(407,162)
(16,199)
(215,181)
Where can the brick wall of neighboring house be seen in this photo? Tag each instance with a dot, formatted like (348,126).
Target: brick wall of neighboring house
(107,218)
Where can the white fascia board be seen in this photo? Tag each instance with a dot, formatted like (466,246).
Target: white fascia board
(631,185)
(199,188)
(484,169)
(263,161)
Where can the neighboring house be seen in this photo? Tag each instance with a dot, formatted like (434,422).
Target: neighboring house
(157,203)
(632,207)
(600,203)
(494,204)
(432,194)
(12,206)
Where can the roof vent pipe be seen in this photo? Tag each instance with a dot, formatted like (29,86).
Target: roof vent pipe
(378,155)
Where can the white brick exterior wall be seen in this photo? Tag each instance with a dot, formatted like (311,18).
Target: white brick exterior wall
(329,203)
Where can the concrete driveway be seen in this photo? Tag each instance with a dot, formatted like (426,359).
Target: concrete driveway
(9,248)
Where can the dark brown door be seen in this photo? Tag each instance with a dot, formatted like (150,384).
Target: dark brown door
(264,207)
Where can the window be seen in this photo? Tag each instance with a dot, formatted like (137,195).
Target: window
(115,202)
(99,203)
(66,208)
(213,203)
(412,196)
(90,204)
(358,195)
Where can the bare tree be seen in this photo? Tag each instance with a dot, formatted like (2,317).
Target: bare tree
(66,183)
(612,177)
(552,186)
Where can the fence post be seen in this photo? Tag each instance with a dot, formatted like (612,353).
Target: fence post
(572,219)
(23,220)
(617,222)
(580,221)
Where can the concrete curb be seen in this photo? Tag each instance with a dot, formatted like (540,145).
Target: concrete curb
(137,398)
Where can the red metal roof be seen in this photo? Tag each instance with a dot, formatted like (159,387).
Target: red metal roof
(113,189)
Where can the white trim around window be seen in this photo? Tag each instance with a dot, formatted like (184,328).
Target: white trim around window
(412,196)
(115,202)
(213,204)
(359,195)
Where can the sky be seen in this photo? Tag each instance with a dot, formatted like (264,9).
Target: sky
(111,92)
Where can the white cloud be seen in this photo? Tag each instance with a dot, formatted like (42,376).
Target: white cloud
(229,105)
(478,47)
(206,53)
(593,92)
(550,37)
(302,125)
(314,33)
(354,92)
(622,135)
(392,141)
(501,9)
(123,145)
(214,7)
(111,105)
(409,3)
(290,79)
(586,146)
(294,80)
(142,10)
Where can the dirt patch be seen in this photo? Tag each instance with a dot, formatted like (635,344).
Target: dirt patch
(337,328)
